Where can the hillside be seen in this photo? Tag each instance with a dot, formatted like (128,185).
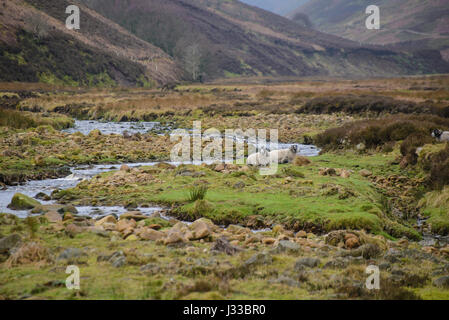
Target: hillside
(215,38)
(409,24)
(280,7)
(153,42)
(36,46)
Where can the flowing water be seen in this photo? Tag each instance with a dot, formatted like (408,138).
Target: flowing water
(80,173)
(86,126)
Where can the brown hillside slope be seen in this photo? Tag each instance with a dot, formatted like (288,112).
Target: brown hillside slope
(415,24)
(235,39)
(100,53)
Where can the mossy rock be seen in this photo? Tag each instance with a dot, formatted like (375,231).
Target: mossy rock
(22,202)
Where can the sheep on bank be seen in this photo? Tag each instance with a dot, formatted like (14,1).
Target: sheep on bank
(284,155)
(261,158)
(442,136)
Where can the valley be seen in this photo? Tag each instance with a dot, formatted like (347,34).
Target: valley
(87,179)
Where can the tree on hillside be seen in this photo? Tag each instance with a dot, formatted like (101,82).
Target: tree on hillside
(38,26)
(192,60)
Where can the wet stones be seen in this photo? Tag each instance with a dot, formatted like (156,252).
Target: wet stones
(42,196)
(135,215)
(22,202)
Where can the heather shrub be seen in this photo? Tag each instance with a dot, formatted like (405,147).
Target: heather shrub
(414,130)
(376,105)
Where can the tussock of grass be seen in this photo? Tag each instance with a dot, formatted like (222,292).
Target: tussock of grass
(24,120)
(434,205)
(197,193)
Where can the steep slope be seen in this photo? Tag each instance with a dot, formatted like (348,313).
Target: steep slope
(36,46)
(411,24)
(218,38)
(280,7)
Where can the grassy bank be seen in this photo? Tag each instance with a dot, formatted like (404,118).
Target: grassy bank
(297,197)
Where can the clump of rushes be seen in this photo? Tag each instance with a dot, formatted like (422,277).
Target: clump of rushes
(197,193)
(32,226)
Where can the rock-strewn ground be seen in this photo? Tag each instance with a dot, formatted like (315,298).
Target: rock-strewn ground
(157,259)
(328,217)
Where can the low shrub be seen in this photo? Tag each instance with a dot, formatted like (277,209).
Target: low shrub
(439,169)
(413,130)
(376,105)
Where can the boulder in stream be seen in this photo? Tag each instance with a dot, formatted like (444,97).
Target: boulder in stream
(22,202)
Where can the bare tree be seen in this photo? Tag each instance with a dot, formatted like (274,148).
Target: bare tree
(192,60)
(38,26)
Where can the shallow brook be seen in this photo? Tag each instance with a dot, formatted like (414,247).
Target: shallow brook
(86,126)
(32,188)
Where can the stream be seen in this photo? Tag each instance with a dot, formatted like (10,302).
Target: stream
(32,188)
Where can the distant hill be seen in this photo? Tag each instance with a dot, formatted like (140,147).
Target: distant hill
(217,38)
(154,42)
(409,24)
(280,7)
(36,46)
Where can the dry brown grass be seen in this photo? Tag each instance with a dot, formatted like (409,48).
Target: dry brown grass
(263,98)
(301,161)
(29,253)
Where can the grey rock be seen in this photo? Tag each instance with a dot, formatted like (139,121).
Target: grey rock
(287,246)
(117,259)
(9,242)
(384,266)
(259,258)
(42,196)
(286,281)
(337,263)
(71,253)
(442,282)
(239,185)
(307,262)
(68,208)
(393,255)
(367,251)
(119,262)
(151,268)
(223,245)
